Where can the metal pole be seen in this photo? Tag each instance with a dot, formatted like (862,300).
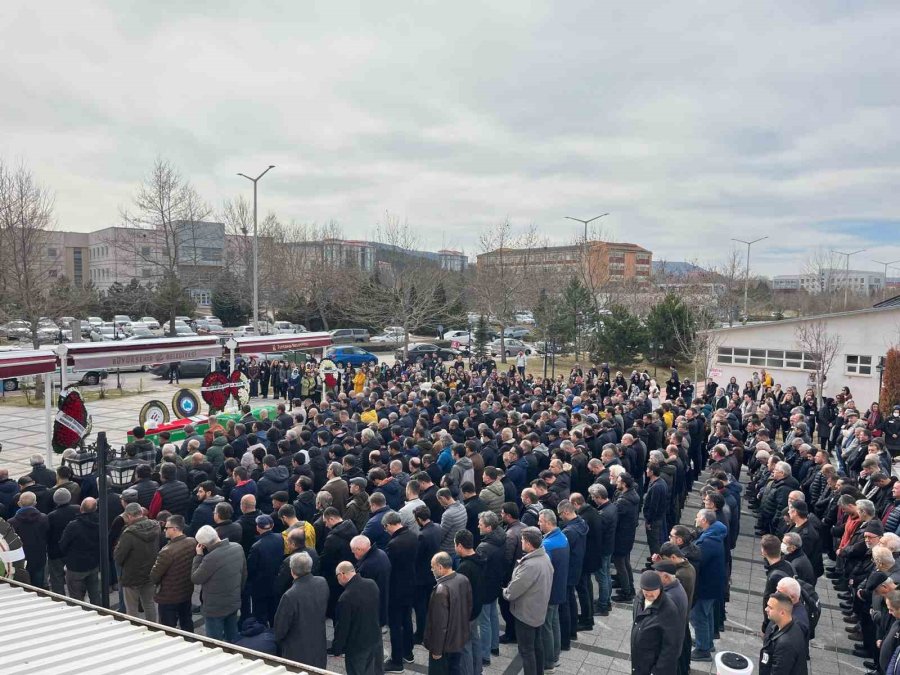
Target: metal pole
(884,285)
(255,321)
(48,422)
(102,448)
(847,273)
(747,273)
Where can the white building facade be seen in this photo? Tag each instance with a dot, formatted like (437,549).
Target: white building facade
(863,282)
(865,337)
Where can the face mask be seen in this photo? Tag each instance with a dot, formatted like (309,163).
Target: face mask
(897,413)
(784,548)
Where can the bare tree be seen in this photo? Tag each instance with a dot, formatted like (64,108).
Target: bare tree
(503,280)
(27,255)
(168,237)
(698,340)
(815,341)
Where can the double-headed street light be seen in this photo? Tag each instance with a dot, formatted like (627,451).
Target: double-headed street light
(847,272)
(747,271)
(256,250)
(886,265)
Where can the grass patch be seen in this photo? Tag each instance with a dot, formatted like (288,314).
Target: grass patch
(88,395)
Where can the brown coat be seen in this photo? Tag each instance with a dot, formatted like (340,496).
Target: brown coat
(447,625)
(172,571)
(340,492)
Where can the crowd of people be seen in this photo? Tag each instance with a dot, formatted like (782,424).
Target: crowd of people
(462,508)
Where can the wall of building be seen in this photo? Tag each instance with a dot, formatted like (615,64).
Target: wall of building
(865,337)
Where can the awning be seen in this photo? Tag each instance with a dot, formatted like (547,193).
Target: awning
(120,353)
(261,344)
(22,362)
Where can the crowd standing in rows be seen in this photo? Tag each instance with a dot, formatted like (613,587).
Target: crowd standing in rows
(433,499)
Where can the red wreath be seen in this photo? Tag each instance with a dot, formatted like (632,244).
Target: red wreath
(215,390)
(72,412)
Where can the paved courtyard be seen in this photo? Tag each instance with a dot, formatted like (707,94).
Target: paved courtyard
(603,650)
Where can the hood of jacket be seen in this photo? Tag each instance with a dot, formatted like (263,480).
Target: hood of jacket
(89,520)
(465,463)
(717,532)
(496,488)
(577,525)
(735,489)
(28,515)
(344,529)
(145,529)
(277,474)
(212,501)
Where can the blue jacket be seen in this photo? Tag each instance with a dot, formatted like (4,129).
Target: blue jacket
(375,531)
(393,494)
(576,531)
(248,488)
(656,501)
(445,460)
(518,474)
(711,568)
(557,547)
(263,564)
(273,479)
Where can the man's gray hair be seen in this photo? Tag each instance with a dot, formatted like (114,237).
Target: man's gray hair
(891,541)
(784,468)
(793,539)
(206,536)
(882,556)
(866,505)
(301,564)
(134,510)
(36,460)
(324,500)
(790,587)
(598,491)
(489,519)
(548,515)
(708,515)
(391,518)
(336,469)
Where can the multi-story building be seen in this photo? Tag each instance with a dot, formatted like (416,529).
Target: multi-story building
(67,254)
(334,253)
(863,282)
(601,262)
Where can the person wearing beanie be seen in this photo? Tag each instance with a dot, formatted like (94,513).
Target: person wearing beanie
(357,510)
(656,632)
(262,569)
(63,513)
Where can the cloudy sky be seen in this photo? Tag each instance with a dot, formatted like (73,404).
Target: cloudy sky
(690,123)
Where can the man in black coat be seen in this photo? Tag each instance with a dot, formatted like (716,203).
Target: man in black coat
(776,569)
(357,633)
(784,648)
(40,474)
(373,563)
(33,527)
(401,551)
(627,507)
(429,543)
(493,549)
(657,630)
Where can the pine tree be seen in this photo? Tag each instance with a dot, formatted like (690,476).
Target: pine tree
(619,338)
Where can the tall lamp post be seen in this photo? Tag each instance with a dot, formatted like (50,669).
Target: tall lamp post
(847,273)
(256,250)
(585,223)
(747,272)
(886,265)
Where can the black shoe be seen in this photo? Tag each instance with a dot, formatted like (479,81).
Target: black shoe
(409,658)
(871,665)
(832,575)
(697,655)
(507,640)
(851,620)
(583,625)
(855,636)
(485,662)
(853,628)
(846,606)
(495,652)
(861,653)
(623,598)
(391,667)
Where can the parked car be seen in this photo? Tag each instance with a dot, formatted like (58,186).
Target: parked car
(344,355)
(152,325)
(47,331)
(121,319)
(350,335)
(517,332)
(95,321)
(525,317)
(418,350)
(16,330)
(283,327)
(390,337)
(512,346)
(460,336)
(189,368)
(207,327)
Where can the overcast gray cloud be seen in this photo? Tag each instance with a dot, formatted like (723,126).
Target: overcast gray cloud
(690,122)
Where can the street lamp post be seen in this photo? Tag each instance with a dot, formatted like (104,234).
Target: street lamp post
(847,272)
(886,265)
(747,272)
(256,250)
(585,254)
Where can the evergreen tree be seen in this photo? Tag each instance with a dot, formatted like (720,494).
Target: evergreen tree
(619,339)
(481,338)
(229,303)
(669,325)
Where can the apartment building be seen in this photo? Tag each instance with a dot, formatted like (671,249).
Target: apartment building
(863,282)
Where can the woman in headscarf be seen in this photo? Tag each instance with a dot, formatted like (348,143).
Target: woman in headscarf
(359,381)
(294,384)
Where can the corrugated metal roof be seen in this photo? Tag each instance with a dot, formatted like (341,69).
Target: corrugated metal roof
(49,636)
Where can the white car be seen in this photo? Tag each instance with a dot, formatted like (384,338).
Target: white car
(524,317)
(95,321)
(389,337)
(512,347)
(152,325)
(460,337)
(121,319)
(283,327)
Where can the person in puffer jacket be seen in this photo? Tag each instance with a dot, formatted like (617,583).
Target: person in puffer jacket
(557,547)
(492,494)
(275,478)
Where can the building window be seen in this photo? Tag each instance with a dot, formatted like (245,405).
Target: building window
(765,358)
(145,273)
(145,251)
(202,298)
(51,252)
(52,274)
(858,365)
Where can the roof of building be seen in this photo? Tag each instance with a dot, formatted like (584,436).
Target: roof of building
(888,302)
(39,633)
(880,307)
(575,248)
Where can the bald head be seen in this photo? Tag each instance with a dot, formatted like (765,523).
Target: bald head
(248,503)
(89,505)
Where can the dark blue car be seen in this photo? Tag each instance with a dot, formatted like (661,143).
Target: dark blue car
(350,355)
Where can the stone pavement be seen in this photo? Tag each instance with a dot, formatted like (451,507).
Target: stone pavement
(604,650)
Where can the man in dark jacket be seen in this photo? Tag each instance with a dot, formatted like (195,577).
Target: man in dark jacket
(274,478)
(135,554)
(576,531)
(656,631)
(220,568)
(40,474)
(711,577)
(401,552)
(429,543)
(775,497)
(784,648)
(493,549)
(62,515)
(374,529)
(203,513)
(357,633)
(300,620)
(373,563)
(262,569)
(472,566)
(247,521)
(656,504)
(627,508)
(447,627)
(591,563)
(336,549)
(33,528)
(171,575)
(81,554)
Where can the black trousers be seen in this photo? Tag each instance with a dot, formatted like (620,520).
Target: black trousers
(531,648)
(568,619)
(448,664)
(420,604)
(400,625)
(623,572)
(585,591)
(366,661)
(654,530)
(508,619)
(177,616)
